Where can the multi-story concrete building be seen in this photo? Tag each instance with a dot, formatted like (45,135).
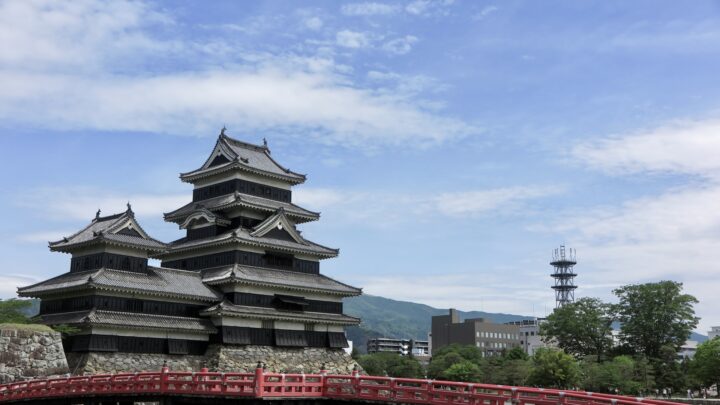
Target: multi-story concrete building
(530,339)
(713,332)
(404,347)
(491,338)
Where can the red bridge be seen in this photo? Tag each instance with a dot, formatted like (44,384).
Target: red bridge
(204,387)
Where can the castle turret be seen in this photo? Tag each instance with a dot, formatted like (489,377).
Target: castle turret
(242,236)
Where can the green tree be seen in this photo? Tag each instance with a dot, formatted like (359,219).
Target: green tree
(11,311)
(553,368)
(654,315)
(445,357)
(516,353)
(622,373)
(391,364)
(581,328)
(516,371)
(463,371)
(705,365)
(668,372)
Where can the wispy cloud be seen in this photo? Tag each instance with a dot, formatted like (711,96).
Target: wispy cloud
(428,7)
(43,236)
(683,147)
(369,8)
(400,46)
(10,282)
(80,75)
(464,291)
(81,203)
(352,39)
(486,11)
(362,207)
(671,235)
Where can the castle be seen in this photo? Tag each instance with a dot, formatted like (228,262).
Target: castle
(243,285)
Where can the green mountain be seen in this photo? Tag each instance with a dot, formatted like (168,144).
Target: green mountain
(383,317)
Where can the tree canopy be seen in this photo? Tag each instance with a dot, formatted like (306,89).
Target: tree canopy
(391,364)
(554,368)
(581,328)
(705,366)
(654,315)
(12,310)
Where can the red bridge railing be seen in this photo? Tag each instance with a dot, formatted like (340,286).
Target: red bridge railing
(274,385)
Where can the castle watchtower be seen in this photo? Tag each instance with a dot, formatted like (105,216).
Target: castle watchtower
(564,261)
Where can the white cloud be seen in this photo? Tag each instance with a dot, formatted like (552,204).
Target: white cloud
(71,73)
(494,200)
(81,203)
(400,46)
(482,290)
(673,235)
(9,283)
(352,39)
(362,207)
(314,23)
(486,11)
(43,236)
(75,35)
(369,8)
(685,147)
(428,7)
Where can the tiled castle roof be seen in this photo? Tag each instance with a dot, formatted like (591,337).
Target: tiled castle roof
(118,229)
(242,156)
(288,280)
(298,214)
(130,320)
(155,282)
(229,309)
(244,236)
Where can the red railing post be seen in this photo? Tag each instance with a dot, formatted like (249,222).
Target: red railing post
(259,382)
(561,398)
(515,399)
(355,381)
(323,380)
(164,377)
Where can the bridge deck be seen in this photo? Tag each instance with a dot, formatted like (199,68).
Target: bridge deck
(167,387)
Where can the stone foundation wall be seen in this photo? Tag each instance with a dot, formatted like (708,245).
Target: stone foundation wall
(280,359)
(218,358)
(30,352)
(99,362)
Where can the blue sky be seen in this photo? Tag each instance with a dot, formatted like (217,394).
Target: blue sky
(450,145)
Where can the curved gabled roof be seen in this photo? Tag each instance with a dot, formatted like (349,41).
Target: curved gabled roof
(238,155)
(237,199)
(130,320)
(227,308)
(157,281)
(241,236)
(275,278)
(118,229)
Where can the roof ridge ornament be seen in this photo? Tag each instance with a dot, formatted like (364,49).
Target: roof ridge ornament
(97,214)
(222,131)
(129,209)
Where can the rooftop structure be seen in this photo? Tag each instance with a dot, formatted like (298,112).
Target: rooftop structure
(491,338)
(564,262)
(530,338)
(242,275)
(403,347)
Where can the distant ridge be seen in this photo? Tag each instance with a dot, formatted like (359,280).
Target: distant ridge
(384,317)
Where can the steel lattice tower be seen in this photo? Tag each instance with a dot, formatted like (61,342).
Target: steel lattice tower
(563,262)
